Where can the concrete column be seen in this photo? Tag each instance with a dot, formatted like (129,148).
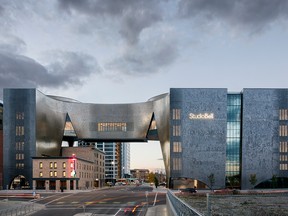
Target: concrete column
(74,184)
(34,184)
(57,185)
(47,185)
(68,185)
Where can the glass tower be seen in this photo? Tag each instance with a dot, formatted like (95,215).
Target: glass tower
(233,145)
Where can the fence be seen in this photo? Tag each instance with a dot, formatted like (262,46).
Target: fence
(177,207)
(245,203)
(20,209)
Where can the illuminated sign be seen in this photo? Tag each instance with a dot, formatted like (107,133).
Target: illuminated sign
(201,116)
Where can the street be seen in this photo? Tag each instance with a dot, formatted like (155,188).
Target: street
(123,200)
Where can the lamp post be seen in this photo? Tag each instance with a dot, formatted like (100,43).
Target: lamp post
(113,167)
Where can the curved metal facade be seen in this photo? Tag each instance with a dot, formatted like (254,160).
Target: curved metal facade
(87,120)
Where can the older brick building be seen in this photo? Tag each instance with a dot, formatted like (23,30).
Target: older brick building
(77,168)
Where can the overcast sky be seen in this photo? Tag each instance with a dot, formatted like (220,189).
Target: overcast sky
(126,51)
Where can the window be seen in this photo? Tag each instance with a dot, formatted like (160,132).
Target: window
(51,174)
(283,147)
(55,173)
(177,164)
(55,165)
(176,130)
(19,156)
(64,174)
(40,174)
(283,130)
(283,114)
(64,165)
(51,165)
(283,166)
(112,126)
(177,147)
(19,130)
(20,115)
(40,165)
(176,114)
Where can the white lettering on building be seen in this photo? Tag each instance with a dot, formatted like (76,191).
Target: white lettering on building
(201,116)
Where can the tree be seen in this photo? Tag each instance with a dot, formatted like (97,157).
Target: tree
(211,178)
(253,179)
(151,177)
(274,181)
(233,180)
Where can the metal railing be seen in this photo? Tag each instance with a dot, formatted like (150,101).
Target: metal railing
(19,210)
(177,207)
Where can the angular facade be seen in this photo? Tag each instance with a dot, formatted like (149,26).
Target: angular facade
(208,137)
(34,126)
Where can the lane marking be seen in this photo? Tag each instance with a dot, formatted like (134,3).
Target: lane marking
(117,212)
(155,199)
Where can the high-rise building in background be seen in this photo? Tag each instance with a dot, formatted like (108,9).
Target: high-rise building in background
(125,160)
(117,159)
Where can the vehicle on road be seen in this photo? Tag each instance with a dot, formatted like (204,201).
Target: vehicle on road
(188,190)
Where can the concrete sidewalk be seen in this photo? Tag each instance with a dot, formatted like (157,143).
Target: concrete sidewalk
(159,210)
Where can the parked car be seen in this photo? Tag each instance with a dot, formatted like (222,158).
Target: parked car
(188,190)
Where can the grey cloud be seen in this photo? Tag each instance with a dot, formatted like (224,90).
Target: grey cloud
(21,71)
(74,66)
(1,10)
(11,43)
(253,16)
(146,58)
(133,15)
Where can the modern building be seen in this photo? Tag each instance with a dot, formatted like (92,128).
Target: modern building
(117,160)
(112,160)
(209,137)
(125,160)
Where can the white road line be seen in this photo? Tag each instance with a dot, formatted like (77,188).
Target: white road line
(155,199)
(58,199)
(117,212)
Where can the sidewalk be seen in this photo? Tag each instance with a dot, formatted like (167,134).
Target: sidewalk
(158,209)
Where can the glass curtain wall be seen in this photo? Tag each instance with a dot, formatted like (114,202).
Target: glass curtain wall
(233,148)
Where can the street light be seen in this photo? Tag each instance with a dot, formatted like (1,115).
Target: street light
(113,176)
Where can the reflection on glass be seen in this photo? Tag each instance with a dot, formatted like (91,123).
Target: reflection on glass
(233,136)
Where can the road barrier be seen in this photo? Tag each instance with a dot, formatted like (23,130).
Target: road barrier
(19,210)
(177,207)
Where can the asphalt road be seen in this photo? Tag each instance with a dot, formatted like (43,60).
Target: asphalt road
(123,200)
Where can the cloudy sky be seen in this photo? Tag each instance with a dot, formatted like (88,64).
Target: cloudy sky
(126,51)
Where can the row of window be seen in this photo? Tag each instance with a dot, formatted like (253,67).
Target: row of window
(176,130)
(283,114)
(53,165)
(19,130)
(283,166)
(19,156)
(112,126)
(19,146)
(176,114)
(283,157)
(177,164)
(20,115)
(177,147)
(19,165)
(283,147)
(283,130)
